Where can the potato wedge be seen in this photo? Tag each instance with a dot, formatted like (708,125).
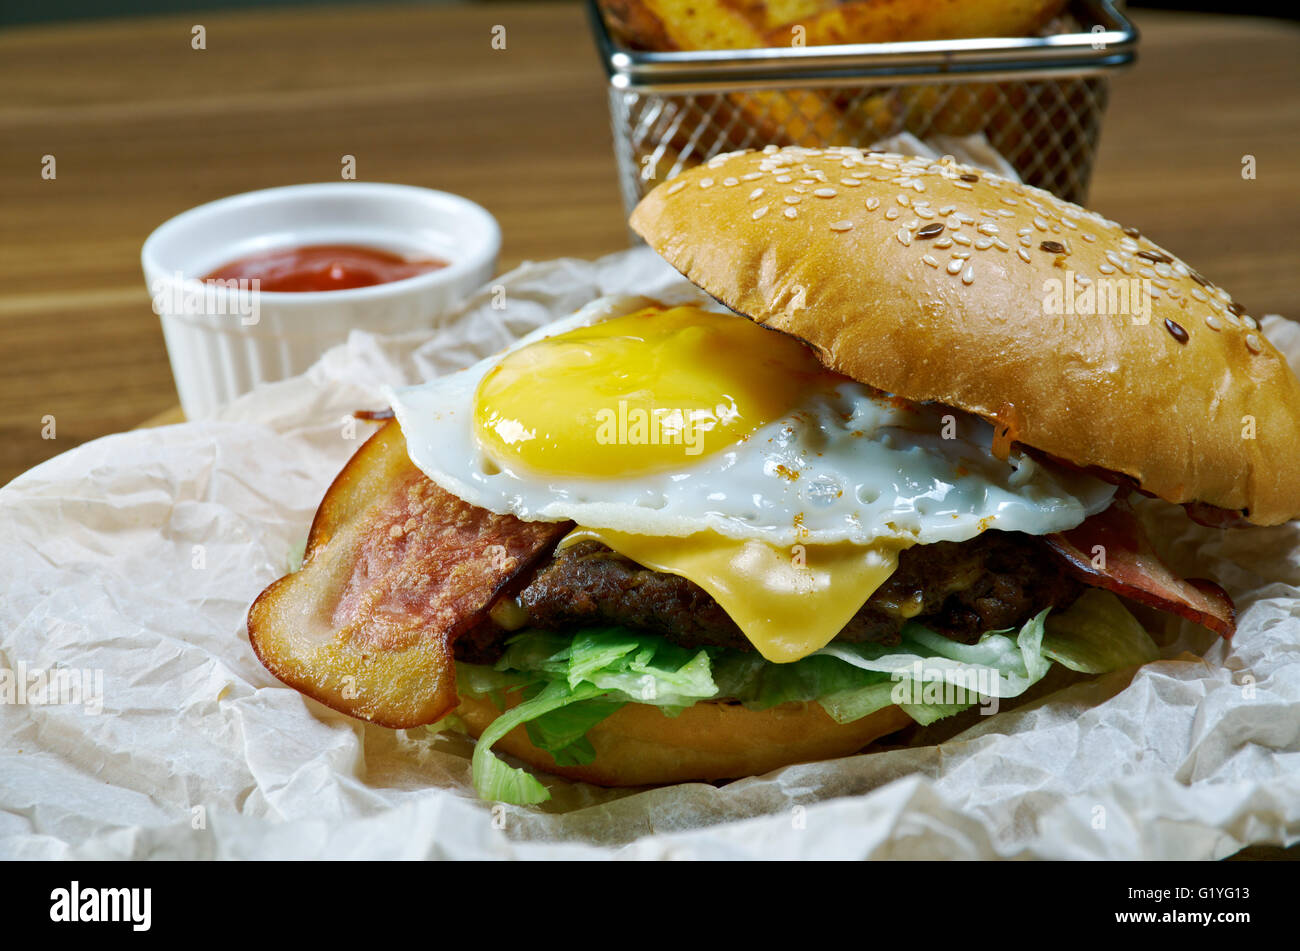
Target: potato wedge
(896,21)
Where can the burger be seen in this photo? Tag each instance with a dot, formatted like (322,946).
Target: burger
(880,472)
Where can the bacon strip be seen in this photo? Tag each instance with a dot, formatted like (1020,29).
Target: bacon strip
(1133,569)
(396,569)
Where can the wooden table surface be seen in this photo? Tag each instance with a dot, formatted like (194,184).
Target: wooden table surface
(142,126)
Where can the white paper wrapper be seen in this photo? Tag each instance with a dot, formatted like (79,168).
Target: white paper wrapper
(136,556)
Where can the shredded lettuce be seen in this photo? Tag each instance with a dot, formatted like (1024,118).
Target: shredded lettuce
(493,779)
(567,683)
(1097,634)
(932,677)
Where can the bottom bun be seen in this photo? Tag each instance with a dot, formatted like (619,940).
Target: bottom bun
(639,745)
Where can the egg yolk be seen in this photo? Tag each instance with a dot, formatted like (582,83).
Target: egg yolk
(645,392)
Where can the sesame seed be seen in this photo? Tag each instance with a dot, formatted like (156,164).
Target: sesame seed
(752,176)
(850,182)
(1007,200)
(1250,322)
(1088,237)
(944,242)
(1001,245)
(904,237)
(1106,269)
(931,260)
(756,193)
(1146,272)
(784,179)
(892,213)
(873,204)
(1040,224)
(1133,232)
(705,182)
(729,182)
(1253,344)
(1023,232)
(825,193)
(903,200)
(1069,224)
(841,225)
(1176,330)
(912,224)
(963,185)
(969,177)
(1083,280)
(674,188)
(988,228)
(759,212)
(791,212)
(961,255)
(1003,213)
(968,276)
(1024,255)
(947,210)
(792,199)
(1199,294)
(961,238)
(1213,322)
(930,231)
(1155,256)
(954,265)
(965,219)
(983,244)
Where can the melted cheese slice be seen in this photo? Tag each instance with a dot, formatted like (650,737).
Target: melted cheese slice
(788,602)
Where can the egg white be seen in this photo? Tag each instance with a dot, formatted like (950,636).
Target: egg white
(866,470)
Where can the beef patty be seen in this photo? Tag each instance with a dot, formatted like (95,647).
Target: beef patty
(959,589)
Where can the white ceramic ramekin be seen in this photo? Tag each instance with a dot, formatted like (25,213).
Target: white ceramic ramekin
(222,342)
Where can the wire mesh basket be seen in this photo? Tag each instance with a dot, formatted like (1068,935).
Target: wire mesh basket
(1038,100)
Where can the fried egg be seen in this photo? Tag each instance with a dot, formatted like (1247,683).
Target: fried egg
(669,422)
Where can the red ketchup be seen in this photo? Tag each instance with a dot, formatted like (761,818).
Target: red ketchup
(323,267)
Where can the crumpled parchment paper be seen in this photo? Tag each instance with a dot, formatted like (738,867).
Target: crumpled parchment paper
(133,559)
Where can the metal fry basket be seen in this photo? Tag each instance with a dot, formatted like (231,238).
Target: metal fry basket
(1038,100)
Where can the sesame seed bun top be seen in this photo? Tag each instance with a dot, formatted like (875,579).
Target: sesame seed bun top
(938,281)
